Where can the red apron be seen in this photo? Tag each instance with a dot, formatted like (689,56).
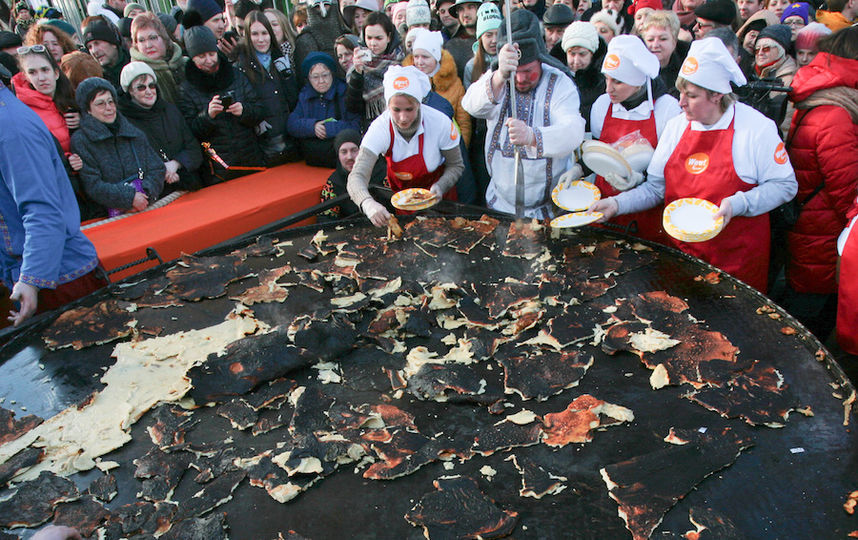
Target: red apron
(847,296)
(411,172)
(702,166)
(648,221)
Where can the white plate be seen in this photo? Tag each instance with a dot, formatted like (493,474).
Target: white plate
(603,159)
(638,156)
(692,220)
(577,219)
(578,195)
(400,199)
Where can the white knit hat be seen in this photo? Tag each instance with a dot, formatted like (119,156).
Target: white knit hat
(406,80)
(431,42)
(629,61)
(580,34)
(607,17)
(709,65)
(131,71)
(417,12)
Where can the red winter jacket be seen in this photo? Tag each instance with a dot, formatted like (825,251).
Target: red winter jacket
(45,107)
(823,146)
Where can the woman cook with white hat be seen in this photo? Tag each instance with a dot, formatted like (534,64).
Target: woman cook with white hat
(421,145)
(722,151)
(635,100)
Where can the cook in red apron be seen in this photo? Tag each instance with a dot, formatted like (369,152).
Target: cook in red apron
(847,293)
(628,61)
(742,248)
(411,172)
(649,221)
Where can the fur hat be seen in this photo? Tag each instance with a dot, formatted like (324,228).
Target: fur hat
(89,88)
(131,71)
(609,18)
(526,31)
(719,11)
(809,36)
(417,12)
(199,40)
(581,34)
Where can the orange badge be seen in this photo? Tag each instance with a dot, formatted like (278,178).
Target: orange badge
(453,131)
(400,83)
(697,163)
(780,154)
(612,61)
(689,67)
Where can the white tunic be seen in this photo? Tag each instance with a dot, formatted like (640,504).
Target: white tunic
(551,109)
(759,158)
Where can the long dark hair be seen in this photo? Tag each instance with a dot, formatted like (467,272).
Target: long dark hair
(251,66)
(479,62)
(379,17)
(64,93)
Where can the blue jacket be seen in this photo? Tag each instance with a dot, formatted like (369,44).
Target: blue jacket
(313,107)
(39,217)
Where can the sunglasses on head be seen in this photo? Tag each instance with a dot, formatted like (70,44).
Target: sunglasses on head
(31,48)
(142,87)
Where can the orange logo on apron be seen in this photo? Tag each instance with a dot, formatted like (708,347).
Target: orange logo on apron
(689,67)
(697,163)
(612,61)
(780,154)
(404,175)
(400,83)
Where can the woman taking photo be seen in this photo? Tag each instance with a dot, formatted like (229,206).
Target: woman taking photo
(163,125)
(381,50)
(722,151)
(271,75)
(420,144)
(121,172)
(321,111)
(153,46)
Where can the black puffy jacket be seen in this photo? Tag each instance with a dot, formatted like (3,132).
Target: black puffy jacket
(233,138)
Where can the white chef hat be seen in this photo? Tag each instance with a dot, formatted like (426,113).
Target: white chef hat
(709,65)
(629,61)
(406,80)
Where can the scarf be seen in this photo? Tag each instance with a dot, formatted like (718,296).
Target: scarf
(839,96)
(264,59)
(373,81)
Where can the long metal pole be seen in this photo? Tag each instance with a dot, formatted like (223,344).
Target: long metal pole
(519,169)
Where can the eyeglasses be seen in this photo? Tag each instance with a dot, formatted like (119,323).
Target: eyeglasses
(31,48)
(101,103)
(766,49)
(795,24)
(143,87)
(320,77)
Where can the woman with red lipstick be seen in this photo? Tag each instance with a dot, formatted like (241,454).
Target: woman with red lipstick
(153,46)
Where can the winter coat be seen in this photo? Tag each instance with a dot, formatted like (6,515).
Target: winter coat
(112,155)
(232,138)
(313,107)
(170,137)
(670,72)
(277,90)
(45,107)
(449,86)
(461,48)
(823,148)
(590,81)
(170,72)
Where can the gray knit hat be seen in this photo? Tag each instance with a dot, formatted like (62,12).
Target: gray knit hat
(199,40)
(89,88)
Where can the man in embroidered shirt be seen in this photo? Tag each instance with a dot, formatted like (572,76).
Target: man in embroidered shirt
(548,127)
(46,260)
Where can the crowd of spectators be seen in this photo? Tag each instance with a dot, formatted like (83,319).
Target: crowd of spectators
(142,104)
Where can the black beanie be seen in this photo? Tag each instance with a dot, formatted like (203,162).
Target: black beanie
(205,9)
(778,32)
(100,28)
(344,136)
(719,11)
(199,40)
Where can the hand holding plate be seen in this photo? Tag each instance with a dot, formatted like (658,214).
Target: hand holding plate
(608,207)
